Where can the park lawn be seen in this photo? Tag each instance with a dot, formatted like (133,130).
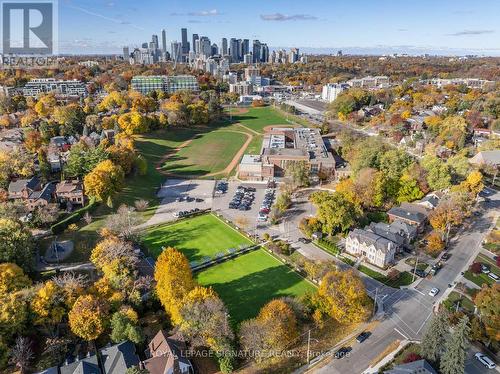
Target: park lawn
(248,282)
(258,118)
(208,153)
(198,237)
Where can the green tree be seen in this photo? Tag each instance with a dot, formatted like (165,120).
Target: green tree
(16,244)
(408,189)
(453,359)
(298,172)
(83,157)
(435,337)
(336,211)
(124,326)
(438,173)
(394,162)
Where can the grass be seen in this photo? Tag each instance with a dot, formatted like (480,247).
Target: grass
(197,237)
(404,279)
(208,153)
(258,118)
(249,281)
(455,298)
(482,278)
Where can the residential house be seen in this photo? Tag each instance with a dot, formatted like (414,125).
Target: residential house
(372,247)
(57,152)
(399,232)
(86,365)
(430,201)
(70,191)
(116,359)
(23,188)
(411,214)
(487,158)
(415,367)
(41,198)
(167,355)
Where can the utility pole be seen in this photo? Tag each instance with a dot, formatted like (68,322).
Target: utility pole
(308,344)
(375,301)
(415,269)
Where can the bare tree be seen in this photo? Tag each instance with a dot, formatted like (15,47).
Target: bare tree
(122,223)
(87,218)
(141,205)
(21,354)
(71,280)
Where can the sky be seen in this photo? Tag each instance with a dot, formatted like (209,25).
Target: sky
(449,27)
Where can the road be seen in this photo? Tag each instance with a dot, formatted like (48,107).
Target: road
(407,311)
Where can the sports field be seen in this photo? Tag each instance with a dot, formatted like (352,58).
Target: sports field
(208,153)
(196,237)
(249,281)
(258,118)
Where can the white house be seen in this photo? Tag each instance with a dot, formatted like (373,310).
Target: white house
(372,247)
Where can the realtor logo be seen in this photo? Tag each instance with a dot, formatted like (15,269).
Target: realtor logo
(29,28)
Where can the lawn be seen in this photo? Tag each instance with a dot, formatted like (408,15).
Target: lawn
(196,237)
(250,281)
(463,301)
(404,279)
(258,118)
(208,153)
(482,278)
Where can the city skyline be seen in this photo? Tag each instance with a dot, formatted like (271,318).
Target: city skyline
(359,27)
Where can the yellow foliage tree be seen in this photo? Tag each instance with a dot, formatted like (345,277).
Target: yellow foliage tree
(133,123)
(435,243)
(87,318)
(342,296)
(488,303)
(104,180)
(174,280)
(12,278)
(474,182)
(280,323)
(13,314)
(48,304)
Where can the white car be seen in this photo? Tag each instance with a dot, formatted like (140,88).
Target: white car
(485,360)
(433,292)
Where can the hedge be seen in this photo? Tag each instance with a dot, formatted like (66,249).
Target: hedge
(74,217)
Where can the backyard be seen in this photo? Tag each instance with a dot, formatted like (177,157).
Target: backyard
(249,281)
(198,237)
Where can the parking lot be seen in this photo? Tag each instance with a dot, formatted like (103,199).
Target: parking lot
(247,219)
(182,195)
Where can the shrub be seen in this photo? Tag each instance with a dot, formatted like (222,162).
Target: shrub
(411,357)
(76,216)
(393,274)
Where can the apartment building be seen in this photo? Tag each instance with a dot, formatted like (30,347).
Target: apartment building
(169,84)
(370,82)
(40,86)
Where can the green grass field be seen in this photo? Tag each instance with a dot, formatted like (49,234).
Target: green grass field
(258,118)
(209,153)
(197,237)
(250,281)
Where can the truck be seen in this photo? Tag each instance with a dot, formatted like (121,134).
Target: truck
(436,267)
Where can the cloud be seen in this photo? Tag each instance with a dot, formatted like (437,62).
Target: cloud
(286,17)
(472,32)
(104,17)
(201,13)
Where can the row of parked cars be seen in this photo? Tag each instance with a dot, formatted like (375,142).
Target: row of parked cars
(185,213)
(221,187)
(243,198)
(265,207)
(344,351)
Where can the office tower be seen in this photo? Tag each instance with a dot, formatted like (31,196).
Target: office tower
(195,44)
(264,56)
(176,51)
(224,47)
(248,58)
(245,47)
(164,41)
(154,41)
(256,51)
(233,49)
(145,45)
(185,43)
(197,47)
(240,50)
(126,53)
(205,46)
(293,56)
(215,49)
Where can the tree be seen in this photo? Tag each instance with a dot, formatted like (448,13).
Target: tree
(205,321)
(394,162)
(13,315)
(16,244)
(104,180)
(87,318)
(133,123)
(12,279)
(83,158)
(123,156)
(123,222)
(335,211)
(21,354)
(435,244)
(343,296)
(48,305)
(435,337)
(488,303)
(298,172)
(408,189)
(473,183)
(438,173)
(124,326)
(446,215)
(136,370)
(475,268)
(453,359)
(174,280)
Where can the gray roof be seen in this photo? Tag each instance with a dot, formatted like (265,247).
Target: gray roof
(87,365)
(432,199)
(407,214)
(371,238)
(487,157)
(415,367)
(389,232)
(45,193)
(117,358)
(20,184)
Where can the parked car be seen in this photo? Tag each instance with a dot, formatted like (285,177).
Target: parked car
(445,256)
(485,269)
(434,291)
(363,336)
(485,360)
(342,352)
(304,240)
(199,200)
(420,273)
(493,276)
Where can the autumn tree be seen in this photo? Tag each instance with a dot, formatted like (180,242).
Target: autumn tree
(123,222)
(87,318)
(488,303)
(343,296)
(335,211)
(125,326)
(435,244)
(83,158)
(48,305)
(446,215)
(174,280)
(133,123)
(16,244)
(22,354)
(13,314)
(12,279)
(298,172)
(104,180)
(438,173)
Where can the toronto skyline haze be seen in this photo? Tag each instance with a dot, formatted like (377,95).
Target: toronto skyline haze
(318,26)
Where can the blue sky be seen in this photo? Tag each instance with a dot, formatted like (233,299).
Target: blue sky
(356,26)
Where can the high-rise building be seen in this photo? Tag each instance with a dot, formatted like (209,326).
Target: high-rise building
(224,47)
(214,50)
(169,84)
(248,59)
(163,41)
(126,53)
(154,41)
(332,90)
(184,41)
(195,44)
(256,51)
(176,51)
(264,53)
(234,49)
(205,46)
(293,56)
(245,47)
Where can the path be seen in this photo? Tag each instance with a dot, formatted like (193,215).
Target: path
(248,128)
(236,159)
(160,163)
